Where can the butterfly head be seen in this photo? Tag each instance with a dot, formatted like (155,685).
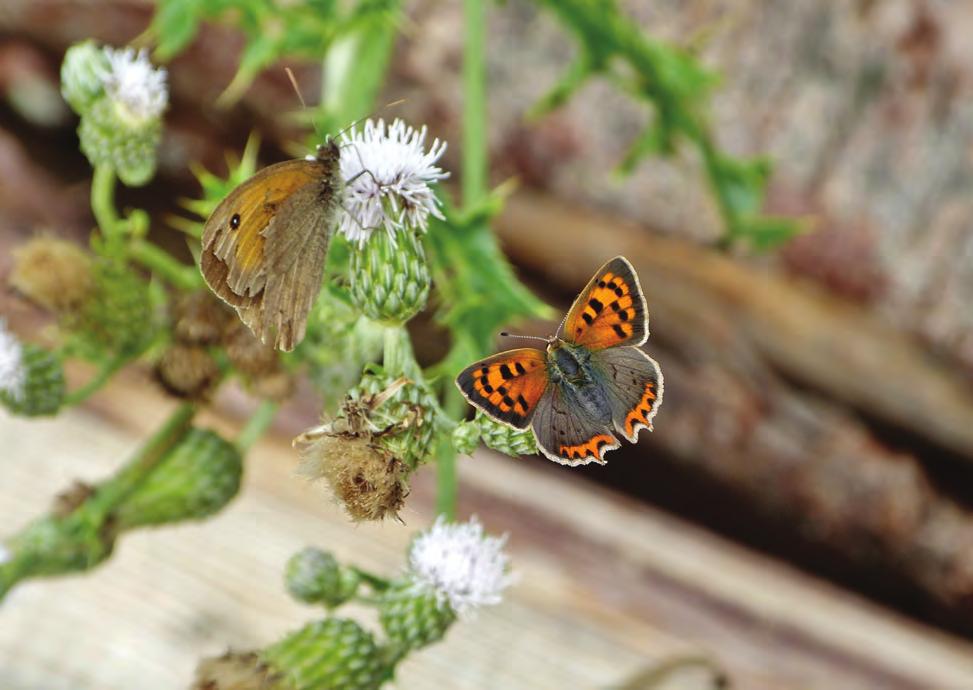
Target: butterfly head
(328,152)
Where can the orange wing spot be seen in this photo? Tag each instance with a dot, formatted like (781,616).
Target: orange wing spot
(592,447)
(640,413)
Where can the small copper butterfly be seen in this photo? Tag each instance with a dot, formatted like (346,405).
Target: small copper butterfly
(592,381)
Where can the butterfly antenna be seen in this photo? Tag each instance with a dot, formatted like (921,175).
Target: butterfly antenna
(505,334)
(300,97)
(561,325)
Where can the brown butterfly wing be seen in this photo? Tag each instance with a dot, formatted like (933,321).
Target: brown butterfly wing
(265,245)
(506,386)
(610,311)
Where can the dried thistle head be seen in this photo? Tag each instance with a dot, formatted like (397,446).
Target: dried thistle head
(53,273)
(365,476)
(247,353)
(199,318)
(236,671)
(187,371)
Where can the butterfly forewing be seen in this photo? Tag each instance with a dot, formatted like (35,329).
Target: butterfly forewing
(566,435)
(507,386)
(264,246)
(633,383)
(610,311)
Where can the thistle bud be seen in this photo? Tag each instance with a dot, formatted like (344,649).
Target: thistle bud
(400,412)
(199,318)
(55,545)
(413,616)
(198,477)
(315,577)
(107,139)
(247,353)
(466,436)
(187,371)
(122,128)
(82,72)
(333,654)
(500,437)
(390,276)
(118,319)
(31,378)
(53,273)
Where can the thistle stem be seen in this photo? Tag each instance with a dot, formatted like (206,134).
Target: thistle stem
(114,491)
(257,425)
(397,358)
(94,384)
(162,264)
(475,158)
(103,204)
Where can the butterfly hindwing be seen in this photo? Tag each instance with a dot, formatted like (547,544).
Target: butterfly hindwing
(610,311)
(507,386)
(566,435)
(633,382)
(264,247)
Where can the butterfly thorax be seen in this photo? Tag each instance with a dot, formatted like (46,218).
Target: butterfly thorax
(328,156)
(570,367)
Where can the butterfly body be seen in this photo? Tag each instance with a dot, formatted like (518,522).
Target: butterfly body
(264,247)
(591,383)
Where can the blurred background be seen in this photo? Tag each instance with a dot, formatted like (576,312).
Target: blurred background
(801,516)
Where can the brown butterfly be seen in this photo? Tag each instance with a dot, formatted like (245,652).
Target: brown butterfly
(265,245)
(591,383)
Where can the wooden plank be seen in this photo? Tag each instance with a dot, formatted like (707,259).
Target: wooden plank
(607,587)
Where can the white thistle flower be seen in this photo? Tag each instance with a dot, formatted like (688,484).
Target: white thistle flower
(5,554)
(461,564)
(387,173)
(13,376)
(134,84)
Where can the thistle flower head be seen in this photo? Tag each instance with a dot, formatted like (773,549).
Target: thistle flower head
(461,564)
(137,87)
(388,171)
(13,375)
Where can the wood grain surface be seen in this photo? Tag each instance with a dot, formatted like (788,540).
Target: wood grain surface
(607,587)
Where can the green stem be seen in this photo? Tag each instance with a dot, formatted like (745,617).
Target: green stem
(114,491)
(446,479)
(379,584)
(162,264)
(397,357)
(103,204)
(257,425)
(475,158)
(105,373)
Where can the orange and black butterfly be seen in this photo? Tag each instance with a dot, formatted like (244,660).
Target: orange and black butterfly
(591,383)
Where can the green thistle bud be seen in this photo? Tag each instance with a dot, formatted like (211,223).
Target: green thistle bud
(40,390)
(198,477)
(333,654)
(122,128)
(466,436)
(403,419)
(505,439)
(390,277)
(82,71)
(56,545)
(109,139)
(413,616)
(315,576)
(118,318)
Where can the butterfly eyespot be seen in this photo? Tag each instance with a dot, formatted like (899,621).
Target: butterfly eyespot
(235,221)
